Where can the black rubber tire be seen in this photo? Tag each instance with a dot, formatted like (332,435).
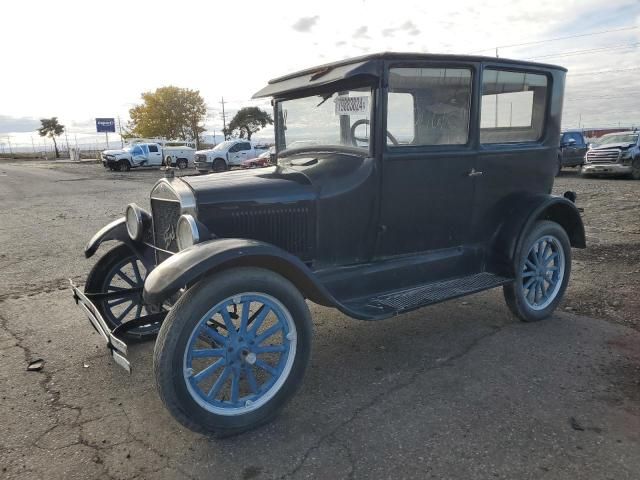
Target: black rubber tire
(176,330)
(124,165)
(95,284)
(513,293)
(117,167)
(182,163)
(635,169)
(219,165)
(167,162)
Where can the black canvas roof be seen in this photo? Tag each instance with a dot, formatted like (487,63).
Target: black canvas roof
(371,65)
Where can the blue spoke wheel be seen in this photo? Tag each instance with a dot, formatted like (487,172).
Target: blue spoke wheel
(542,272)
(232,351)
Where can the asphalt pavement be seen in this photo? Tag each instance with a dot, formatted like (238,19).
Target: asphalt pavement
(460,390)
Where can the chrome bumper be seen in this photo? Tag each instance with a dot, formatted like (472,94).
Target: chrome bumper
(606,168)
(116,346)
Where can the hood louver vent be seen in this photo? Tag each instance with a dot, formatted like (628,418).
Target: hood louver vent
(290,228)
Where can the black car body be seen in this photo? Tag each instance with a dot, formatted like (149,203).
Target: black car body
(408,183)
(573,148)
(614,154)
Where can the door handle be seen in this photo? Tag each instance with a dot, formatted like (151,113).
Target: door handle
(474,173)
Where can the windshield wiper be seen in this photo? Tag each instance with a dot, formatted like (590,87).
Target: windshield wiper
(324,99)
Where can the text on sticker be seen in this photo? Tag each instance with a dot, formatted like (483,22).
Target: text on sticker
(352,105)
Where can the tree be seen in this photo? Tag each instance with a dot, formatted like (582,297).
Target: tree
(169,112)
(51,128)
(248,121)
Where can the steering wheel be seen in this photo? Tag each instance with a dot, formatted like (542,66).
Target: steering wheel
(364,121)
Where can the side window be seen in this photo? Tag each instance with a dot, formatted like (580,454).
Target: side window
(245,146)
(513,106)
(137,150)
(235,148)
(577,137)
(428,106)
(153,148)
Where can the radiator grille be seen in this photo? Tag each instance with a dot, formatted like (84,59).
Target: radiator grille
(603,156)
(165,220)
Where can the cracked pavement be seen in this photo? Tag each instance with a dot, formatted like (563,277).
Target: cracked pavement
(457,390)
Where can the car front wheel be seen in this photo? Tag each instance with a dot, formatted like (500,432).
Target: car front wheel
(542,272)
(232,351)
(635,169)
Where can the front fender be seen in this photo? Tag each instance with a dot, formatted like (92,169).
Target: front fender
(117,230)
(191,264)
(522,214)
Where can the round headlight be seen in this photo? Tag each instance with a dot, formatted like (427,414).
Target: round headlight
(133,217)
(187,234)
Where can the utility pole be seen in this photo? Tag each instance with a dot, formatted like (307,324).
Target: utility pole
(67,140)
(580,120)
(9,142)
(120,132)
(510,114)
(497,56)
(224,121)
(33,145)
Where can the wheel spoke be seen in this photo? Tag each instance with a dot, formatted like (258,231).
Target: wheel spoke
(207,352)
(251,379)
(118,301)
(235,386)
(124,277)
(136,271)
(215,389)
(210,370)
(268,332)
(528,274)
(139,310)
(213,333)
(530,282)
(125,312)
(244,319)
(257,323)
(231,328)
(550,258)
(270,349)
(266,367)
(529,264)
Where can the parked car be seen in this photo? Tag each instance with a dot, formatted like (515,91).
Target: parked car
(614,154)
(573,148)
(147,155)
(359,221)
(225,155)
(265,159)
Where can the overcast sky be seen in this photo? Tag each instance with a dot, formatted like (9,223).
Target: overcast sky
(81,60)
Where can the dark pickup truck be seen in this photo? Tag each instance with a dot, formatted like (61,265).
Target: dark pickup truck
(573,148)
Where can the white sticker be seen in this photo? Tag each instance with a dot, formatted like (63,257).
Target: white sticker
(352,105)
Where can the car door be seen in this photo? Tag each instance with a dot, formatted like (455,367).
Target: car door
(155,155)
(428,163)
(239,152)
(138,155)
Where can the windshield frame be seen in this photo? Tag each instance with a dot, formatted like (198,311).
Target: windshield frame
(331,88)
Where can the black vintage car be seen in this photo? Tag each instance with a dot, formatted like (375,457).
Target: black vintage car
(402,180)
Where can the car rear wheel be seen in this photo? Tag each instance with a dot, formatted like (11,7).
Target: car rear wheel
(232,351)
(542,273)
(219,165)
(121,274)
(182,163)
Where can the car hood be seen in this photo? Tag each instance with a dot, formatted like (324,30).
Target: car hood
(613,145)
(204,152)
(113,152)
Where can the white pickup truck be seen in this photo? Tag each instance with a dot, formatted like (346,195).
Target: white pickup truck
(147,155)
(227,154)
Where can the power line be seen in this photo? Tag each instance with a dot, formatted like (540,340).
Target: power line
(535,42)
(582,52)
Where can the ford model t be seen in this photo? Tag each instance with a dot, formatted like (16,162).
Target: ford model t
(402,180)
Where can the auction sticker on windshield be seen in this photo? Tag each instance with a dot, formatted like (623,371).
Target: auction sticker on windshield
(352,105)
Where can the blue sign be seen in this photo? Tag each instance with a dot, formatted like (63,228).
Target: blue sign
(105,125)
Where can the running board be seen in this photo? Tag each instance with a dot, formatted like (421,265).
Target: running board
(400,301)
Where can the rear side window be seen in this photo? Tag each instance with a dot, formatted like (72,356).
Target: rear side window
(153,148)
(513,106)
(428,106)
(245,146)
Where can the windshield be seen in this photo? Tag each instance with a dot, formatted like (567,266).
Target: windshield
(333,119)
(128,149)
(223,145)
(617,138)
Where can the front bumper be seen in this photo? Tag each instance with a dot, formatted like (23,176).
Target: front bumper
(202,166)
(606,169)
(116,346)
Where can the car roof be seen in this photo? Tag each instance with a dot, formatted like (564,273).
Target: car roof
(372,65)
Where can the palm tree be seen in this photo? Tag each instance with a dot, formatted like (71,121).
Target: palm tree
(51,128)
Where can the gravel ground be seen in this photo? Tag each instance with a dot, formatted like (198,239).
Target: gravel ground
(458,390)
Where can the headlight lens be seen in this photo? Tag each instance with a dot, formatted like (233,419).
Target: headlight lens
(134,221)
(187,234)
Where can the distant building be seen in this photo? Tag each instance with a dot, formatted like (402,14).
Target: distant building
(598,132)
